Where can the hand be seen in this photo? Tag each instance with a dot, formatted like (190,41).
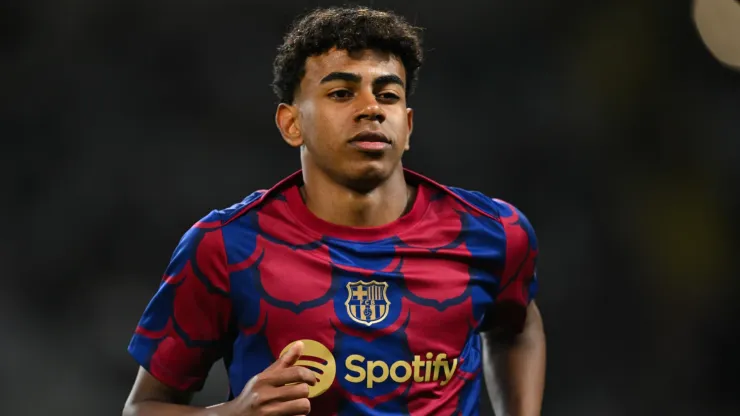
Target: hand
(280,390)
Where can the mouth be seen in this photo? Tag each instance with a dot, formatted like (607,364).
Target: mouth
(370,141)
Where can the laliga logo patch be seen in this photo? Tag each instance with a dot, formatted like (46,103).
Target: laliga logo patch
(367,302)
(318,359)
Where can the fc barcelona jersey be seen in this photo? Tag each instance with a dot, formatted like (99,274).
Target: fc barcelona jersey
(390,316)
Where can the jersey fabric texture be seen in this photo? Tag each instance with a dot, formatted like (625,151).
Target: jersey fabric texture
(390,315)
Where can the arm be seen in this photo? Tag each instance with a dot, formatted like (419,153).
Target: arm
(282,389)
(182,331)
(149,396)
(514,339)
(514,367)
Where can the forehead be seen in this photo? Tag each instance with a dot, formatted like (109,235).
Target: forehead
(367,63)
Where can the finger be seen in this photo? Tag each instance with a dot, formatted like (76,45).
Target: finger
(289,358)
(289,408)
(283,393)
(290,375)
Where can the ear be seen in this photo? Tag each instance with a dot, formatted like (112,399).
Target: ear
(286,118)
(410,121)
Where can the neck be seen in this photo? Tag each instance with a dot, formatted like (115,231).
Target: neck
(339,204)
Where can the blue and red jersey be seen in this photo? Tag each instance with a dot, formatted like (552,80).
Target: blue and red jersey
(390,315)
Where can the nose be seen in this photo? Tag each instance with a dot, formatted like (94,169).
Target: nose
(369,109)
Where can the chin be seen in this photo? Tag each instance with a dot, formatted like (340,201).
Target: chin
(366,176)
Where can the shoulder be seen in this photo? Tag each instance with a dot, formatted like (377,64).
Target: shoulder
(203,248)
(478,201)
(498,210)
(221,218)
(511,218)
(207,232)
(491,206)
(216,234)
(233,212)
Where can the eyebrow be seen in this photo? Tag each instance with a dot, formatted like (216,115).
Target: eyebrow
(354,78)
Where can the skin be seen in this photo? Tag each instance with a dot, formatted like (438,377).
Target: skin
(265,394)
(341,96)
(364,92)
(514,367)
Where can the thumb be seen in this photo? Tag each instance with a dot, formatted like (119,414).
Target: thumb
(290,357)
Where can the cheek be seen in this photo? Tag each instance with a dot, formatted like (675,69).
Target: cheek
(329,128)
(313,125)
(401,128)
(401,122)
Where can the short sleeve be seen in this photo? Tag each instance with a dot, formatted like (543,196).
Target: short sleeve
(518,280)
(184,327)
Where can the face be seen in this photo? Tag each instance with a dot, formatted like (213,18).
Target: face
(349,116)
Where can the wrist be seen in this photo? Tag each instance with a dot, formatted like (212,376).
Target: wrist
(221,409)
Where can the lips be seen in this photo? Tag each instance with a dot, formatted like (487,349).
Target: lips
(370,137)
(371,142)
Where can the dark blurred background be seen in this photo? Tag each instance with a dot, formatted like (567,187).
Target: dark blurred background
(607,122)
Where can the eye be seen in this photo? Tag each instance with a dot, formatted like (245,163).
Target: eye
(340,94)
(388,97)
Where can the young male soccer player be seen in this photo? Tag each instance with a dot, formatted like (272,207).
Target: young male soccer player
(354,287)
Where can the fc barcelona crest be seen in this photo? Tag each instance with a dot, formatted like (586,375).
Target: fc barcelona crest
(367,302)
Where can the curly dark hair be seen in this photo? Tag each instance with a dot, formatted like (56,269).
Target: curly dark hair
(351,28)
